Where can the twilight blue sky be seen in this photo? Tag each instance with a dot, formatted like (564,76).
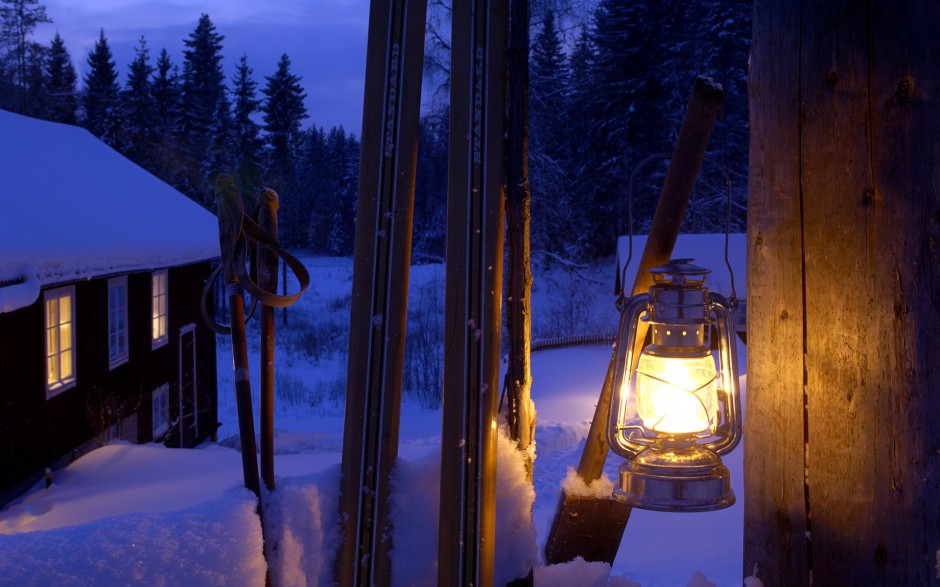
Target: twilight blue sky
(325,40)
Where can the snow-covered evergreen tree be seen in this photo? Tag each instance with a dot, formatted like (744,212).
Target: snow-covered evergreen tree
(101,94)
(167,106)
(284,109)
(430,211)
(37,103)
(61,97)
(343,152)
(138,109)
(554,207)
(219,158)
(313,181)
(203,87)
(247,144)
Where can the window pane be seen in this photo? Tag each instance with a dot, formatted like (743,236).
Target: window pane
(66,364)
(65,336)
(52,313)
(52,342)
(65,309)
(52,370)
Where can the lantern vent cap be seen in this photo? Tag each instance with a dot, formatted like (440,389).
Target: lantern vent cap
(679,272)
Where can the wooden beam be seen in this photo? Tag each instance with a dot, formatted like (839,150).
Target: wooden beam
(775,521)
(854,228)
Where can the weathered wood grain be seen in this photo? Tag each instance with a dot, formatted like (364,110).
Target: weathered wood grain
(860,218)
(774,513)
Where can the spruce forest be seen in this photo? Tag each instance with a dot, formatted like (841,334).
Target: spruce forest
(609,82)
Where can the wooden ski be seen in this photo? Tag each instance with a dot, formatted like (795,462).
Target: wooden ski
(473,292)
(391,106)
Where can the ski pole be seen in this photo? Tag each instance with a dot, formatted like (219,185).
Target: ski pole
(267,280)
(231,212)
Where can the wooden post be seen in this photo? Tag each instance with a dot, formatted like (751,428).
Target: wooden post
(380,287)
(589,527)
(267,280)
(842,450)
(473,282)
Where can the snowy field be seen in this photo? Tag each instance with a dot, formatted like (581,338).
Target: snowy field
(146,514)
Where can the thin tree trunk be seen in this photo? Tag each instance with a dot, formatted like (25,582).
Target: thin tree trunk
(518,217)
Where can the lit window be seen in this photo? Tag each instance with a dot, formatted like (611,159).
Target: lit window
(159,280)
(161,414)
(117,321)
(60,340)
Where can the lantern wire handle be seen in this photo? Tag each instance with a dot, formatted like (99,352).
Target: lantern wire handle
(620,287)
(623,271)
(733,299)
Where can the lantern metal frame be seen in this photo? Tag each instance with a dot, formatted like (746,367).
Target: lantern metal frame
(675,471)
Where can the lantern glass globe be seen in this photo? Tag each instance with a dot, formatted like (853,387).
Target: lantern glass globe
(677,395)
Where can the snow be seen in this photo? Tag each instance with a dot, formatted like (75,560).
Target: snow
(175,516)
(22,290)
(77,209)
(217,542)
(575,486)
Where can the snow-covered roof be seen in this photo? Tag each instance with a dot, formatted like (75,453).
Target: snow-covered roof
(74,208)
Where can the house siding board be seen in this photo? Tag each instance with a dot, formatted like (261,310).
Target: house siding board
(185,297)
(36,433)
(22,395)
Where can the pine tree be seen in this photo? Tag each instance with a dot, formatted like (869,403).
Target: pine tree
(721,34)
(430,208)
(101,94)
(167,95)
(18,20)
(60,83)
(203,86)
(37,102)
(247,144)
(343,153)
(312,179)
(220,155)
(573,235)
(167,107)
(548,76)
(284,109)
(138,109)
(549,153)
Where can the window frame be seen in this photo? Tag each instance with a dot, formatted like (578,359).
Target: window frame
(121,334)
(160,430)
(61,384)
(157,317)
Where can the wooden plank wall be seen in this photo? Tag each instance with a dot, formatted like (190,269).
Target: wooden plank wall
(36,432)
(842,457)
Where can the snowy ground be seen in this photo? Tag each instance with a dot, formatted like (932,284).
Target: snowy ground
(130,514)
